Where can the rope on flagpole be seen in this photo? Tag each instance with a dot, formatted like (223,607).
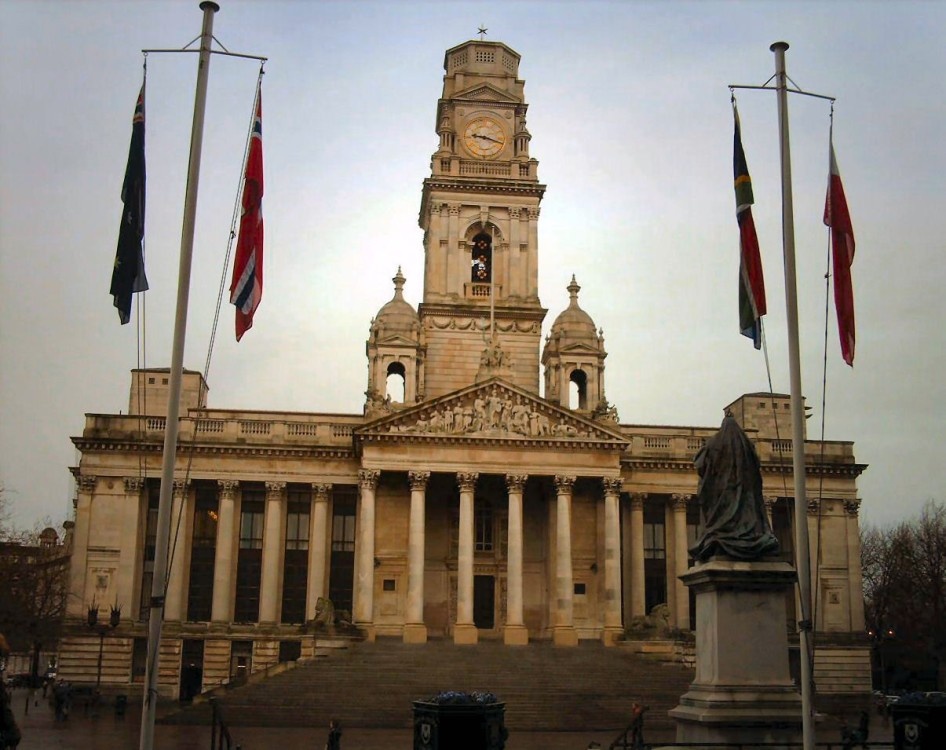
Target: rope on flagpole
(824,373)
(237,208)
(141,320)
(213,334)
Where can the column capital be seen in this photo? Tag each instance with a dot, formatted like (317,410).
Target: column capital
(275,490)
(515,212)
(467,480)
(227,488)
(134,484)
(418,479)
(533,212)
(680,500)
(769,502)
(320,491)
(86,482)
(612,485)
(368,478)
(637,500)
(180,486)
(453,209)
(852,507)
(814,506)
(516,482)
(564,484)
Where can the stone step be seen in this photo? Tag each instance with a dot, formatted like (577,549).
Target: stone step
(373,684)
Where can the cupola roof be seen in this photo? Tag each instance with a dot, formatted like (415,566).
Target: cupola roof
(397,316)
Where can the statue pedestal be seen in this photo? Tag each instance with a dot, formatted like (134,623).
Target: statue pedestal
(743,691)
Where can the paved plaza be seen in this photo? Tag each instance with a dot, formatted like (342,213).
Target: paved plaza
(108,732)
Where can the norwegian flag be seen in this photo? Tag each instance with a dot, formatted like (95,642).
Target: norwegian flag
(246,288)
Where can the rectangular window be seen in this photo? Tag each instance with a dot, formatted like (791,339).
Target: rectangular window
(654,548)
(388,584)
(203,553)
(343,533)
(296,562)
(249,557)
(483,540)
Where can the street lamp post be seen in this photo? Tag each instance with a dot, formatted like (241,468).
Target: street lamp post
(102,628)
(877,637)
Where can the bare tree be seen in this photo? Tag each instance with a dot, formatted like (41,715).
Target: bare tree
(904,570)
(35,575)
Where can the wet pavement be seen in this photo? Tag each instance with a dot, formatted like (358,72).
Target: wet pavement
(108,732)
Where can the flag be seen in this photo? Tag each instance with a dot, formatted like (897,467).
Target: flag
(837,217)
(128,271)
(246,289)
(751,283)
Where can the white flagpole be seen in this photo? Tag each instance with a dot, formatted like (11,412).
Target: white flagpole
(802,562)
(150,698)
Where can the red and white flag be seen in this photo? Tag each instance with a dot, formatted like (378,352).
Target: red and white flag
(837,217)
(246,288)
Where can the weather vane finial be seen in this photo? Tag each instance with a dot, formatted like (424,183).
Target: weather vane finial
(482,32)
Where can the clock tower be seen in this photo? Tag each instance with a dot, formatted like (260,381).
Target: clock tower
(479,210)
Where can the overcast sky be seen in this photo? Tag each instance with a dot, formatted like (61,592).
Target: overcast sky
(631,123)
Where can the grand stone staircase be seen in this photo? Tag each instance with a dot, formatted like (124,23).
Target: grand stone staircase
(545,688)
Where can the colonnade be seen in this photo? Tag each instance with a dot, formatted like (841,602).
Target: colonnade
(561,594)
(464,629)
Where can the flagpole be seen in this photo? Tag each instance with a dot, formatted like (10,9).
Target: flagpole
(803,566)
(162,537)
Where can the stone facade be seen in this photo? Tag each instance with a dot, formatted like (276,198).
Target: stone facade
(462,504)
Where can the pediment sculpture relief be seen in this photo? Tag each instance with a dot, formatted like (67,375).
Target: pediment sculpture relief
(494,411)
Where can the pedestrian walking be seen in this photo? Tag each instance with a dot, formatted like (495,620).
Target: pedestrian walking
(334,740)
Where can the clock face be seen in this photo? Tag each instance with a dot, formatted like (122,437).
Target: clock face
(484,137)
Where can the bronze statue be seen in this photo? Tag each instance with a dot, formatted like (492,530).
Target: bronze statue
(732,512)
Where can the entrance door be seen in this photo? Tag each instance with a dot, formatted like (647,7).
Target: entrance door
(192,669)
(484,602)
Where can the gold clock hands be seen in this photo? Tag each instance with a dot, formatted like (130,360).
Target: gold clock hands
(486,138)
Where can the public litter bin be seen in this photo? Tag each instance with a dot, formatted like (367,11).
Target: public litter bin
(919,721)
(460,721)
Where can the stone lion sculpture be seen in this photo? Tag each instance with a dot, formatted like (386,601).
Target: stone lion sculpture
(657,623)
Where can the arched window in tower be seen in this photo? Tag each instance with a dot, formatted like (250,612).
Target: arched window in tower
(396,384)
(481,259)
(578,390)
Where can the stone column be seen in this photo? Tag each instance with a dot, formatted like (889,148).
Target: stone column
(515,265)
(458,272)
(464,630)
(531,271)
(222,605)
(364,551)
(318,533)
(175,604)
(515,632)
(817,604)
(75,603)
(414,629)
(129,561)
(681,556)
(638,586)
(855,576)
(563,633)
(273,549)
(613,625)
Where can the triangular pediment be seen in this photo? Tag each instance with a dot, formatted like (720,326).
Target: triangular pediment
(493,411)
(580,348)
(485,92)
(395,340)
